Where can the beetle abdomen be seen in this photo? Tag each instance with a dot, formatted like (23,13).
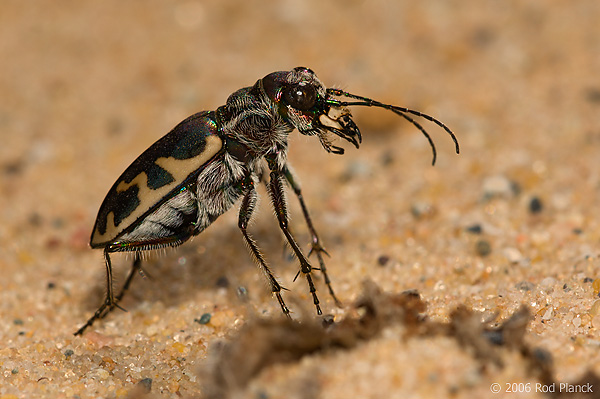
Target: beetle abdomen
(166,167)
(171,224)
(219,186)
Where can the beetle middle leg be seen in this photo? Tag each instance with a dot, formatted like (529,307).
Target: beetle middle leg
(277,194)
(316,247)
(246,209)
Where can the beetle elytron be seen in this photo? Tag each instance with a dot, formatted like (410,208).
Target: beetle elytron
(188,178)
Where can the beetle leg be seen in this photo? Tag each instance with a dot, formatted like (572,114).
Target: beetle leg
(246,209)
(316,246)
(135,268)
(108,302)
(111,301)
(277,194)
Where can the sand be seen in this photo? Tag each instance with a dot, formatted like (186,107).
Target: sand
(510,225)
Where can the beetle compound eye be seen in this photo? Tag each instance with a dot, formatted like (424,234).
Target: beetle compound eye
(301,96)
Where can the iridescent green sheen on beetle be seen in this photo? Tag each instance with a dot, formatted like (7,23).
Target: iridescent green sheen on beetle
(188,178)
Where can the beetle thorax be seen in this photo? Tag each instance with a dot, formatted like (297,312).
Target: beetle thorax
(251,119)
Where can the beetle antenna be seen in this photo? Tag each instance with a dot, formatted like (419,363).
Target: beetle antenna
(422,129)
(402,111)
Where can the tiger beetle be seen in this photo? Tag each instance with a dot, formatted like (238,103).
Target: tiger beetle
(191,176)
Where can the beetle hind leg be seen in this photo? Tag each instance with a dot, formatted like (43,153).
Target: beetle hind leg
(136,267)
(111,302)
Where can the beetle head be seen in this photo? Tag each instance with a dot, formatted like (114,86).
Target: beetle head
(304,102)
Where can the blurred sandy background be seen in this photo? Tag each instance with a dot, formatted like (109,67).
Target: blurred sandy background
(86,86)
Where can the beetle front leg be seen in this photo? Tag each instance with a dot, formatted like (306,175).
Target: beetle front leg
(277,194)
(246,209)
(316,247)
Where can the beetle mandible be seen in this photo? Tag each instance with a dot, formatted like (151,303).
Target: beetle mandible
(188,178)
